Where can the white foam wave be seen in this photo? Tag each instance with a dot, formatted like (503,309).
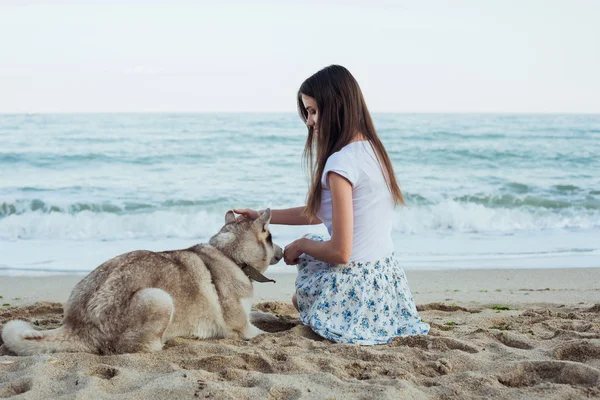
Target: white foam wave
(447,216)
(106,226)
(452,216)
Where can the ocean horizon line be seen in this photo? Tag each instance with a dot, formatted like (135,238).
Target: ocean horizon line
(520,113)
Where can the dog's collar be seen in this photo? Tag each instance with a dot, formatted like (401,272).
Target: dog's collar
(253,274)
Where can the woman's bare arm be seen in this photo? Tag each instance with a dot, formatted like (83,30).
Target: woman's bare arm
(339,249)
(292,216)
(286,216)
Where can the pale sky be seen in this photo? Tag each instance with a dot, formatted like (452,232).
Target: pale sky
(408,56)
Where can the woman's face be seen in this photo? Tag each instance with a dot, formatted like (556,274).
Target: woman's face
(310,104)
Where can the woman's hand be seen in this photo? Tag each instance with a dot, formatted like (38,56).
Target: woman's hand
(247,213)
(293,251)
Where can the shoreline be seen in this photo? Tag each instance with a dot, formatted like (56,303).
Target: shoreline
(467,287)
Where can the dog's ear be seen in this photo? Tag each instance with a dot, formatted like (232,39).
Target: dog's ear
(229,217)
(264,219)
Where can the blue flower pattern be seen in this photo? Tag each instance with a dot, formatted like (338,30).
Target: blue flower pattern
(365,303)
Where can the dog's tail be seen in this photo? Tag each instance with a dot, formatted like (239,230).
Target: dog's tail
(24,340)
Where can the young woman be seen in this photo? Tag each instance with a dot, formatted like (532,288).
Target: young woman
(350,288)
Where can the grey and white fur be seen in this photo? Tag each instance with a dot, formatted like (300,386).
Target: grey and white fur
(139,300)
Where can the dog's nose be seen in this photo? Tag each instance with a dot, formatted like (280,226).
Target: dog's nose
(278,254)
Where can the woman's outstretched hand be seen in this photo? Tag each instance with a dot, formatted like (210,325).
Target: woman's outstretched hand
(292,252)
(246,213)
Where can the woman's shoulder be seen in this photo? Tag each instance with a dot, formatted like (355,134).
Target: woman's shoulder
(348,161)
(353,149)
(342,156)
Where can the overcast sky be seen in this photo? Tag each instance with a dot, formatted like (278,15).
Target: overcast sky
(408,56)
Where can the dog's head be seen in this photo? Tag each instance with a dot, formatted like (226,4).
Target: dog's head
(248,242)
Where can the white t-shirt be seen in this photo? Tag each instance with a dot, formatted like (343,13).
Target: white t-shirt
(372,201)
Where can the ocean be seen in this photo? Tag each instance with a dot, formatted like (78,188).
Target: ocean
(482,191)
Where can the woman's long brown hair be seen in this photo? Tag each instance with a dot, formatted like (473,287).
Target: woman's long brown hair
(342,114)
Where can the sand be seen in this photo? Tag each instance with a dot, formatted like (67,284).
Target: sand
(546,345)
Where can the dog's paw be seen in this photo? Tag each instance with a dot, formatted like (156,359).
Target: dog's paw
(252,332)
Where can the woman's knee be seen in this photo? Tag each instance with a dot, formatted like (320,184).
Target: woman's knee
(295,301)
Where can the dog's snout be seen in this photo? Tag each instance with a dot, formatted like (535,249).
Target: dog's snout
(277,254)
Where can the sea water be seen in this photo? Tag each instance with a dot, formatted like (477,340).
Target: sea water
(482,191)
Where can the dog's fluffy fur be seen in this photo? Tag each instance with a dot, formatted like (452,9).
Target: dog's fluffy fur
(137,301)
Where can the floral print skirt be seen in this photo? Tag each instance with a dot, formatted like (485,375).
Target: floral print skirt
(365,303)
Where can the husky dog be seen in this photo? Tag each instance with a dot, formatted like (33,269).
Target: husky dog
(137,301)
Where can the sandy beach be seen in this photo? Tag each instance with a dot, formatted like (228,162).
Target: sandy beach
(495,334)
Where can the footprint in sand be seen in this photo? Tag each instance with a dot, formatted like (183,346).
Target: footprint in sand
(284,393)
(103,372)
(433,343)
(216,364)
(14,388)
(531,373)
(512,340)
(578,350)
